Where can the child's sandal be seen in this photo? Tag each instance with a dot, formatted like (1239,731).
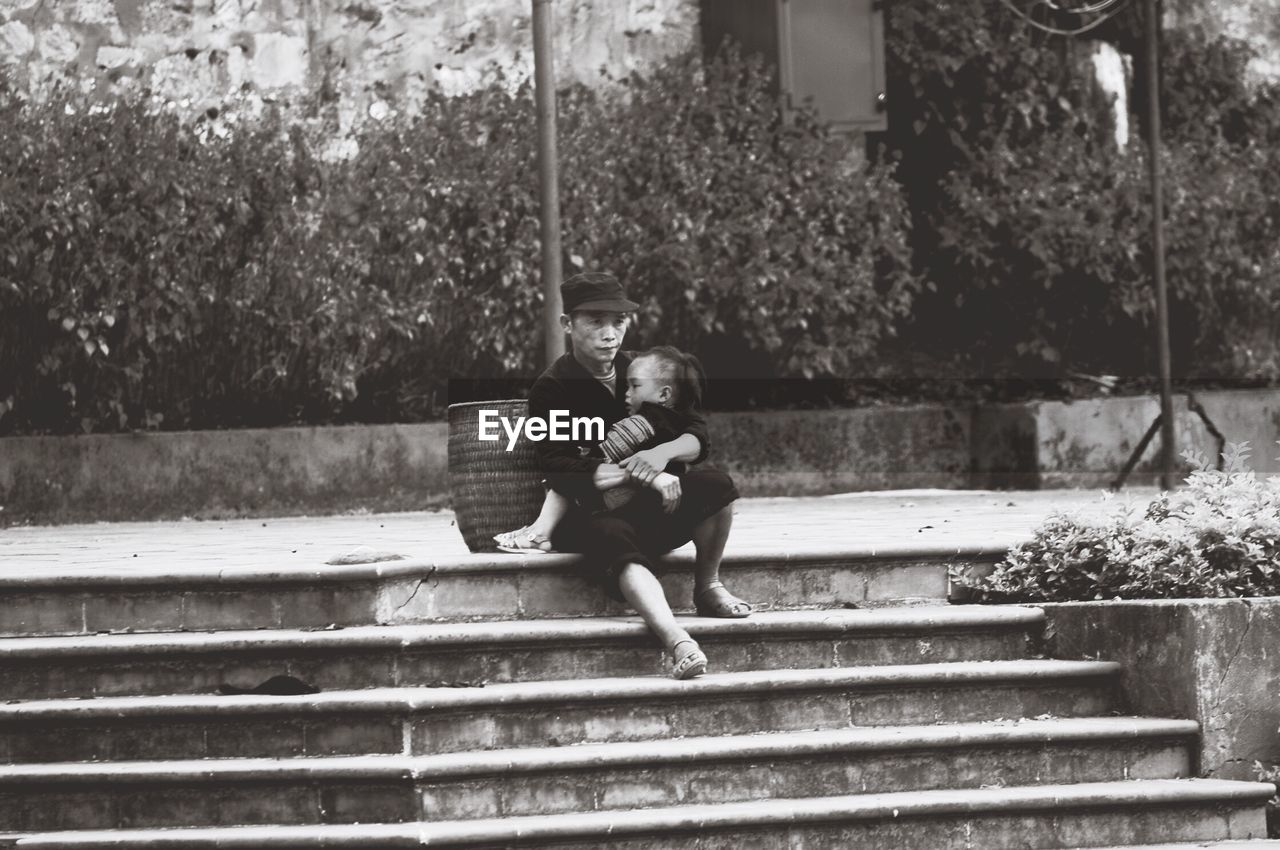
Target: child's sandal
(689,665)
(523,542)
(504,538)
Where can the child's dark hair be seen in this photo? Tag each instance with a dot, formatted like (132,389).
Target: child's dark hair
(683,371)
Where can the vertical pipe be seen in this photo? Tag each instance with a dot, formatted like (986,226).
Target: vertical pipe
(548,178)
(1167,438)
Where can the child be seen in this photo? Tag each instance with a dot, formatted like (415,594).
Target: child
(664,392)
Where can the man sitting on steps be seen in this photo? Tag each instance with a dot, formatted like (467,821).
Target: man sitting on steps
(622,545)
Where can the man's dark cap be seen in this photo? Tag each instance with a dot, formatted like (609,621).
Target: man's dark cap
(595,291)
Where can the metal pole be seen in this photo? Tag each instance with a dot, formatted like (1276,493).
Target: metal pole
(1168,445)
(548,178)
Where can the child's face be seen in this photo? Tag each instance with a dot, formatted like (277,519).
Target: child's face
(645,384)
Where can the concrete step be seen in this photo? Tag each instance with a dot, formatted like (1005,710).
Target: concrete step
(556,713)
(504,651)
(117,598)
(1247,844)
(591,777)
(1052,816)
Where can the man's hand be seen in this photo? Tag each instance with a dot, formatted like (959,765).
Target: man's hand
(647,465)
(607,476)
(669,486)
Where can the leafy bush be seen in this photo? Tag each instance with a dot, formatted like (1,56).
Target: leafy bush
(149,277)
(752,239)
(1047,248)
(1217,537)
(1035,230)
(1207,95)
(256,272)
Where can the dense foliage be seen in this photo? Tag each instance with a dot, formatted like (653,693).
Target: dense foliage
(158,274)
(1049,249)
(1218,537)
(256,270)
(1035,226)
(151,278)
(757,242)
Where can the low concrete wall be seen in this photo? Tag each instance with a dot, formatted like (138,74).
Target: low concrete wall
(1086,443)
(816,452)
(285,471)
(255,472)
(1210,660)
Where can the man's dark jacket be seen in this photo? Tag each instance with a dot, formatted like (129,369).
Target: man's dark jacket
(567,385)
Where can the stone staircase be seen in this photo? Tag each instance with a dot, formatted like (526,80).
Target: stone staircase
(497,701)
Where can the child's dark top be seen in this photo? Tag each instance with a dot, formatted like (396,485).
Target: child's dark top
(652,425)
(567,385)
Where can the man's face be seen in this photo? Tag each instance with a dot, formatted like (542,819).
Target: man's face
(596,335)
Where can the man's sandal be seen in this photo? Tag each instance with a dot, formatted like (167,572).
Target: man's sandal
(692,663)
(523,542)
(715,600)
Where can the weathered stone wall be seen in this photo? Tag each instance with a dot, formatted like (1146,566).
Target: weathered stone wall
(208,474)
(1210,660)
(1086,443)
(283,471)
(817,452)
(367,51)
(363,51)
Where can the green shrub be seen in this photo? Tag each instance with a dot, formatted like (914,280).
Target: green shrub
(1035,231)
(1217,537)
(752,240)
(1048,258)
(158,274)
(1206,95)
(149,277)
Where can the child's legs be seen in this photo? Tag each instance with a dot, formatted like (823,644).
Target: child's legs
(554,508)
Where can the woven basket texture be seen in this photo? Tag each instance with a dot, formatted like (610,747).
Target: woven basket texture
(493,490)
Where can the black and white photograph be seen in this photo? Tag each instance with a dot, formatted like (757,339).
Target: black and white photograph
(640,424)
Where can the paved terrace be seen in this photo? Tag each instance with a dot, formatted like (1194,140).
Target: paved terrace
(892,522)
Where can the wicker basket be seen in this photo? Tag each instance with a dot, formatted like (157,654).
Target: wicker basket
(494,490)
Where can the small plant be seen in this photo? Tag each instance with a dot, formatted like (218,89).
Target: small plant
(1217,537)
(1270,773)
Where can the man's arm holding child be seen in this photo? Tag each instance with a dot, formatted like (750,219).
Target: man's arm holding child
(567,471)
(690,447)
(647,464)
